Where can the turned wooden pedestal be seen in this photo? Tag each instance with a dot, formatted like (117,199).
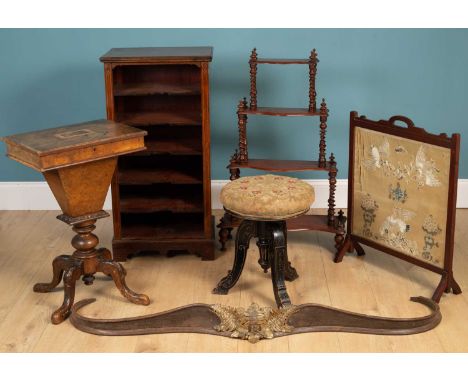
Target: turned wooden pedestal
(272,245)
(78,162)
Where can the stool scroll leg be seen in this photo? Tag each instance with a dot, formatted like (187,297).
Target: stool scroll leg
(263,244)
(278,261)
(290,273)
(245,232)
(117,272)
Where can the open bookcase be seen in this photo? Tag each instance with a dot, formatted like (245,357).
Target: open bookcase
(161,197)
(334,223)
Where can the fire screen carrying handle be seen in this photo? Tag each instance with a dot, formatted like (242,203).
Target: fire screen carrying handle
(409,122)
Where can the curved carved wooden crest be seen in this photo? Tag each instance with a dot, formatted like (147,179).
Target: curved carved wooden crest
(255,323)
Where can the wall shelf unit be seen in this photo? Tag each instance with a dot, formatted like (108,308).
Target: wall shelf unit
(334,223)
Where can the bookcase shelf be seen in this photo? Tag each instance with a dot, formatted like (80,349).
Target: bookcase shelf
(143,199)
(149,118)
(140,89)
(161,197)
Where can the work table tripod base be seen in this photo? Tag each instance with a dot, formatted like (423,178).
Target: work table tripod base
(272,245)
(85,262)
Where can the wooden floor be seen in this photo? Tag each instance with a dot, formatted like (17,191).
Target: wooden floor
(375,284)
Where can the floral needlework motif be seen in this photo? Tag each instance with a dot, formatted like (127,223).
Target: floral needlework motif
(397,193)
(378,156)
(426,172)
(394,229)
(431,229)
(369,207)
(419,169)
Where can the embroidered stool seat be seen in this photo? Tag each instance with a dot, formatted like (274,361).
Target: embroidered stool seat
(265,203)
(267,197)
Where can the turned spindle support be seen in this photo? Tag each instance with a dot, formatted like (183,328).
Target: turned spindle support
(253,79)
(323,131)
(332,188)
(242,126)
(312,75)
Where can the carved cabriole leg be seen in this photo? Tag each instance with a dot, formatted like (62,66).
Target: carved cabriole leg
(105,253)
(253,79)
(278,262)
(118,273)
(290,273)
(323,130)
(85,261)
(59,265)
(332,188)
(70,278)
(263,244)
(242,126)
(245,232)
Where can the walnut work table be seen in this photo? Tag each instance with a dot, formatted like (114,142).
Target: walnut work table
(78,162)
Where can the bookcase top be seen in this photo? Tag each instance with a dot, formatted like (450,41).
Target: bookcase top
(156,54)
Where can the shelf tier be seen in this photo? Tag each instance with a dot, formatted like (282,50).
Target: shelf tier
(280,165)
(145,204)
(160,118)
(310,223)
(162,226)
(146,176)
(179,146)
(281,111)
(283,61)
(142,89)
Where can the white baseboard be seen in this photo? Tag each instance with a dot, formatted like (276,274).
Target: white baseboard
(37,195)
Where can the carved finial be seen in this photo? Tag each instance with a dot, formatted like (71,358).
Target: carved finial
(332,160)
(313,55)
(323,107)
(234,156)
(253,55)
(242,104)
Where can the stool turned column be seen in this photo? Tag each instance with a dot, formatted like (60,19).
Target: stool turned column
(264,203)
(78,162)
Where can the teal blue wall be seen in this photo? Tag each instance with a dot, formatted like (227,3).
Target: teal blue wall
(53,77)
